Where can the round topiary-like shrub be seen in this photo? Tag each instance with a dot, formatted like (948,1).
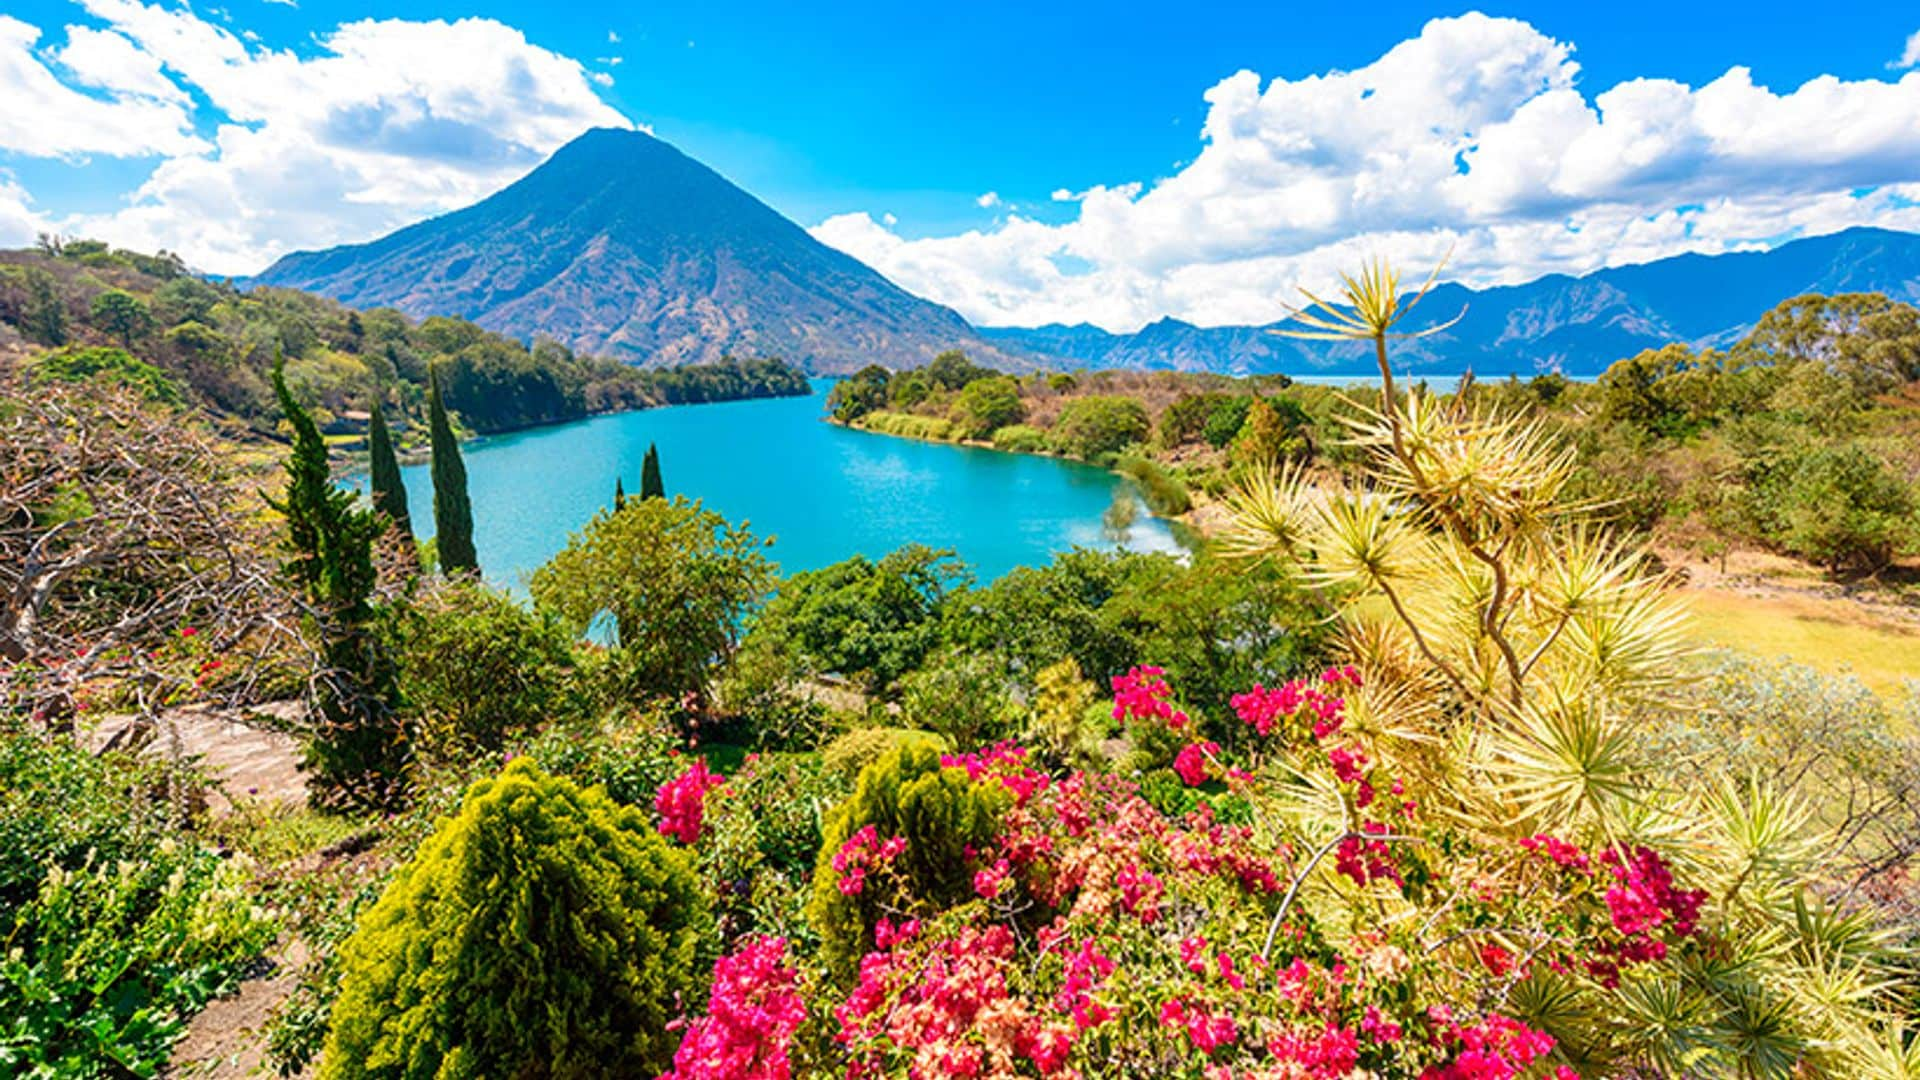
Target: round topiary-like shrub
(544,931)
(901,845)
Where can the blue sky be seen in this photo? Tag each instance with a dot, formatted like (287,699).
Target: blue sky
(886,127)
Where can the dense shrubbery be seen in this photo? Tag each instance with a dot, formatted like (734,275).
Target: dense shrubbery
(1840,506)
(108,961)
(1094,427)
(543,929)
(868,621)
(986,405)
(1020,439)
(967,653)
(60,806)
(75,364)
(907,425)
(117,927)
(1795,438)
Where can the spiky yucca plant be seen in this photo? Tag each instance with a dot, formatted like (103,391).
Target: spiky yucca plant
(1510,642)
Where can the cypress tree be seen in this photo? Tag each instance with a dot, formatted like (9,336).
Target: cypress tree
(452,513)
(357,755)
(619,494)
(650,485)
(389,491)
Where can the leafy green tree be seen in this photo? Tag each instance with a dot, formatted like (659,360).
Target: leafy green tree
(452,513)
(476,667)
(987,404)
(544,931)
(868,621)
(1034,616)
(1100,424)
(121,313)
(670,581)
(358,750)
(1187,417)
(619,494)
(389,490)
(965,697)
(951,370)
(183,300)
(651,486)
(859,394)
(909,388)
(1275,429)
(199,342)
(1867,338)
(1225,419)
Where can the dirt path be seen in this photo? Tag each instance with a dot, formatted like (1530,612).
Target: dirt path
(249,759)
(227,1040)
(252,761)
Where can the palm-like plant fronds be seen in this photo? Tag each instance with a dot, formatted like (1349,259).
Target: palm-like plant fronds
(1667,1025)
(1511,646)
(1565,762)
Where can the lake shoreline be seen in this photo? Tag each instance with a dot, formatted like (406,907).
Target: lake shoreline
(770,464)
(1190,527)
(356,459)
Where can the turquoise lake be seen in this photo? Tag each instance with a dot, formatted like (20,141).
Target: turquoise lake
(823,492)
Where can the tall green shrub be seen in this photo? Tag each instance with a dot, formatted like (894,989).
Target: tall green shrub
(938,811)
(389,490)
(47,311)
(1838,505)
(452,513)
(544,931)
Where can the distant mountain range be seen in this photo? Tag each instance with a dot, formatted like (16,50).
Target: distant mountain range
(1578,325)
(621,245)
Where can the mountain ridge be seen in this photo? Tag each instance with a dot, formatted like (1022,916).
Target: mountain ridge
(620,244)
(1575,324)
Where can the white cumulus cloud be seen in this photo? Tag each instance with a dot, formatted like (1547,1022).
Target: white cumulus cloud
(381,123)
(43,116)
(19,222)
(1475,137)
(1910,56)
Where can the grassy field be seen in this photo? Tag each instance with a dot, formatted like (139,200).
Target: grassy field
(1833,636)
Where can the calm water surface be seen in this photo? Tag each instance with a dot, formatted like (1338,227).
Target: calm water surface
(823,492)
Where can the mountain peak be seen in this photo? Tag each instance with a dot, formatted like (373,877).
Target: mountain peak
(621,244)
